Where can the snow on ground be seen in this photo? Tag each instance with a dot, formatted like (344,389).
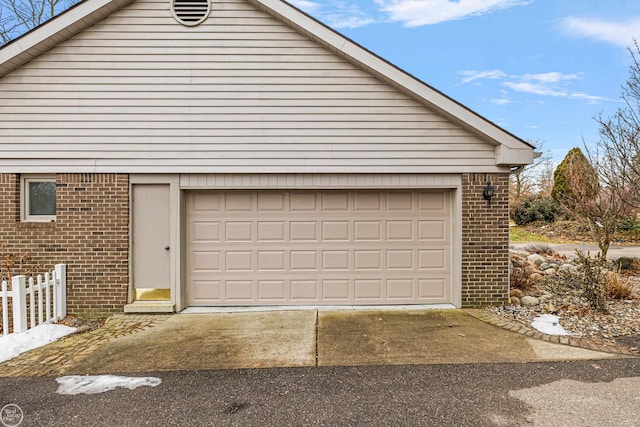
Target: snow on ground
(92,384)
(14,344)
(549,324)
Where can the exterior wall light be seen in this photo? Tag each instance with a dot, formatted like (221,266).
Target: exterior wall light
(488,191)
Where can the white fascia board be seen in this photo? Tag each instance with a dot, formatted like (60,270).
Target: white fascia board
(54,31)
(389,73)
(507,156)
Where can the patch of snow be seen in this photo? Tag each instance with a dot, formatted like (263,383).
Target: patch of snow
(14,344)
(549,324)
(92,384)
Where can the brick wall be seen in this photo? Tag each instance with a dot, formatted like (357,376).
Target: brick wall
(485,240)
(90,235)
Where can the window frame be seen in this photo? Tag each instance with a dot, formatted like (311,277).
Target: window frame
(24,197)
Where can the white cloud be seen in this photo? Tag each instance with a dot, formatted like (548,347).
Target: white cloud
(553,84)
(355,20)
(500,101)
(535,88)
(471,75)
(552,77)
(307,6)
(414,13)
(620,33)
(336,13)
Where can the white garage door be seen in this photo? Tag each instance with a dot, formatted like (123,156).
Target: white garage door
(318,247)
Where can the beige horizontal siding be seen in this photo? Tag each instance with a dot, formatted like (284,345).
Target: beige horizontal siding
(138,92)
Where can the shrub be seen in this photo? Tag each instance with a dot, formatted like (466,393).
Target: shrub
(536,209)
(593,280)
(540,249)
(628,225)
(13,264)
(520,277)
(618,288)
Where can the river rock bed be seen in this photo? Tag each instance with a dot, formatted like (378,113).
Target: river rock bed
(546,294)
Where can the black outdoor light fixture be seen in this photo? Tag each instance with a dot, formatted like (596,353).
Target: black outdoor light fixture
(488,191)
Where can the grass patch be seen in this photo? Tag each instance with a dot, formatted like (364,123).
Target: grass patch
(520,235)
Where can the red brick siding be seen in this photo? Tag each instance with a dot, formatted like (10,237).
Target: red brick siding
(90,235)
(485,240)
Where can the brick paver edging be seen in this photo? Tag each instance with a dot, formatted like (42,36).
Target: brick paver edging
(57,357)
(587,343)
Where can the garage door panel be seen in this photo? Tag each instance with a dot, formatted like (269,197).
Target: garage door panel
(432,259)
(271,261)
(238,231)
(336,260)
(400,201)
(271,231)
(239,261)
(207,291)
(327,247)
(432,202)
(272,290)
(432,230)
(335,230)
(367,230)
(334,290)
(367,260)
(270,201)
(304,291)
(239,290)
(335,202)
(203,202)
(368,289)
(401,289)
(303,230)
(400,259)
(303,260)
(205,231)
(206,261)
(366,202)
(399,230)
(432,288)
(238,201)
(303,202)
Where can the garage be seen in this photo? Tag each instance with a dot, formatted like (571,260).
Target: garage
(318,247)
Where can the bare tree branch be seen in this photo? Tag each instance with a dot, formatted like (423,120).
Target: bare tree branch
(19,16)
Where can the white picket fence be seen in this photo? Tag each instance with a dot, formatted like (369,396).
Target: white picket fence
(39,294)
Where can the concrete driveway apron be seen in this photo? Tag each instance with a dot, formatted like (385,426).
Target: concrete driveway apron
(261,339)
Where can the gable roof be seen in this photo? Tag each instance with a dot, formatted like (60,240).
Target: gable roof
(509,149)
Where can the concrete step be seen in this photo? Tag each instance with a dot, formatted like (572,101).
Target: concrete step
(150,307)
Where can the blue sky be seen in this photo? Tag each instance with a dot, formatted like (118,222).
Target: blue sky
(541,69)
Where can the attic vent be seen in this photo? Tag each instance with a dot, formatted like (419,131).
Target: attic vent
(190,12)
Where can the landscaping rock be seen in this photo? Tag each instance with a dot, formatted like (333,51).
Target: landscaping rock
(627,263)
(546,266)
(516,293)
(567,267)
(544,298)
(515,301)
(536,259)
(529,301)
